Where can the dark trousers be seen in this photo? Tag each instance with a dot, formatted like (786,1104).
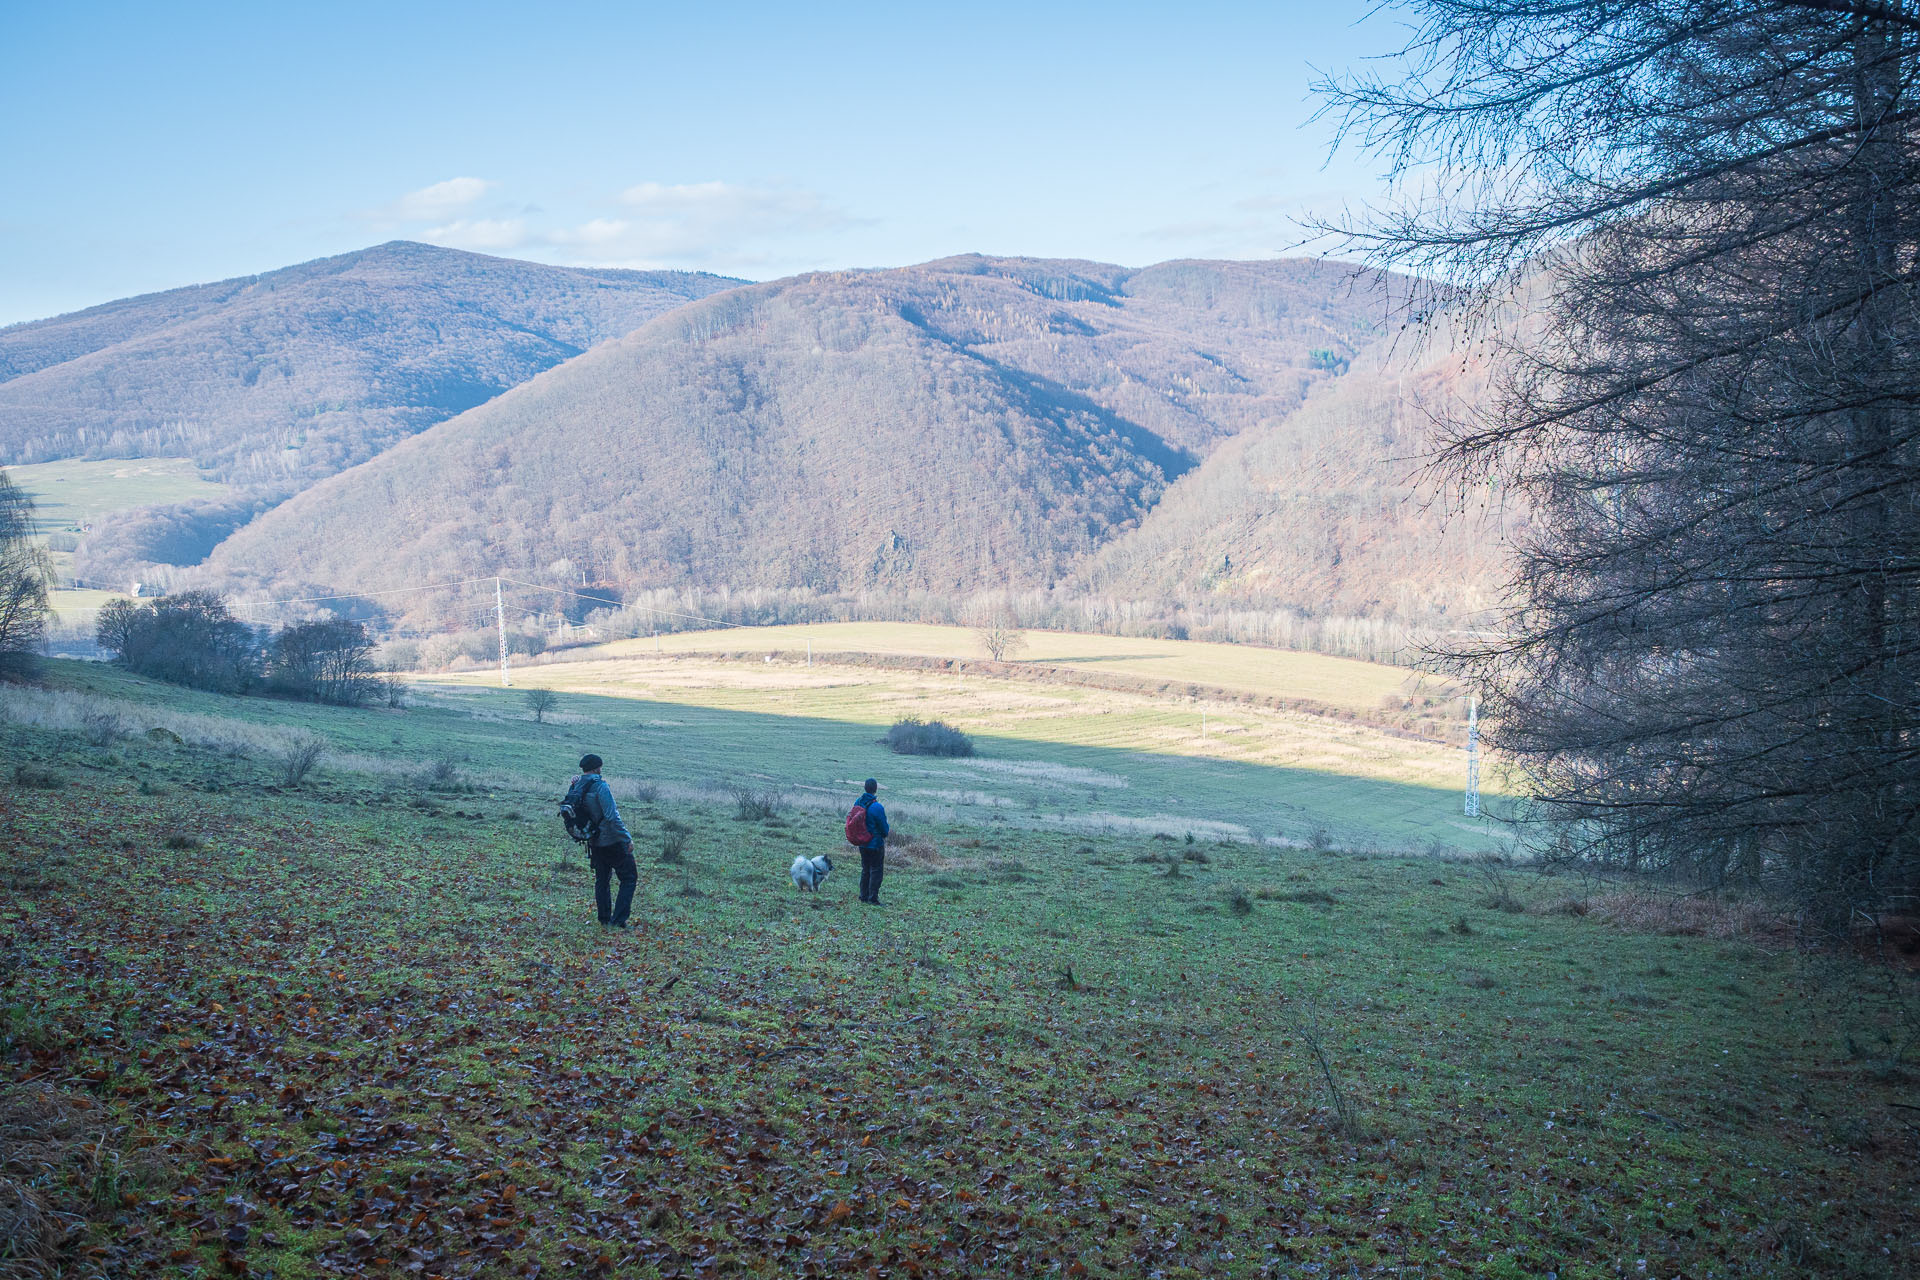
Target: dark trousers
(873,866)
(610,860)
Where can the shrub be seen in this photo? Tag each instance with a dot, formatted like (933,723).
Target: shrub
(750,804)
(1239,902)
(299,756)
(673,846)
(441,775)
(914,737)
(28,775)
(102,727)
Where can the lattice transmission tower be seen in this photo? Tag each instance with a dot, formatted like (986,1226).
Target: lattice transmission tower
(1473,757)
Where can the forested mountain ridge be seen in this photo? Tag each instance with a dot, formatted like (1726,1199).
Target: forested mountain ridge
(964,423)
(281,379)
(1332,508)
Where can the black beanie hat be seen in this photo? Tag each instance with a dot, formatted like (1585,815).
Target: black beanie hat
(872,786)
(590,764)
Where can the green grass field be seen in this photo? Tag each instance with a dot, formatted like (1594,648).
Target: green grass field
(1054,755)
(366,1026)
(73,493)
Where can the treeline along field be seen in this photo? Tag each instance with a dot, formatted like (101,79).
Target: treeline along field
(366,1026)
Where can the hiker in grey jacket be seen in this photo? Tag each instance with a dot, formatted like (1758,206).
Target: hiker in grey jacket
(611,849)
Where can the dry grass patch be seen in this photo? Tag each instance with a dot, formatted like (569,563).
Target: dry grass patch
(916,853)
(47,1143)
(1305,897)
(1695,915)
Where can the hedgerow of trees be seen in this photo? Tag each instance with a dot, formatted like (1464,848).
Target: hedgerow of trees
(193,639)
(1711,213)
(330,660)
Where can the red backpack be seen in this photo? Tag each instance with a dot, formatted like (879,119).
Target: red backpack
(857,833)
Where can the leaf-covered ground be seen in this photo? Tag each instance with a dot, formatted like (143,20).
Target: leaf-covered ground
(355,1030)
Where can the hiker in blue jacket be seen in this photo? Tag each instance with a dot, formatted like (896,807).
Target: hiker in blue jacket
(611,848)
(873,854)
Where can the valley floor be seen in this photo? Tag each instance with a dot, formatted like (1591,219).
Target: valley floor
(1051,755)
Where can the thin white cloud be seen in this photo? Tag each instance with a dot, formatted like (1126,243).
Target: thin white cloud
(700,223)
(717,226)
(485,234)
(441,200)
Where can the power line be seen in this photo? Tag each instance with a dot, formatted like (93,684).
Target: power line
(618,604)
(478,611)
(366,595)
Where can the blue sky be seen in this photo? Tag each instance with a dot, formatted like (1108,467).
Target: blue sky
(152,146)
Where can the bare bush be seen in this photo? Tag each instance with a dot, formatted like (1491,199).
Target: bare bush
(103,727)
(1307,1022)
(1496,888)
(442,775)
(299,756)
(752,804)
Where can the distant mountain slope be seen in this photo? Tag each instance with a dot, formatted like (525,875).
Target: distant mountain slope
(965,423)
(1329,509)
(288,377)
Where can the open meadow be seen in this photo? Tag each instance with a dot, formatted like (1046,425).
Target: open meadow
(363,1024)
(1281,673)
(1051,754)
(74,493)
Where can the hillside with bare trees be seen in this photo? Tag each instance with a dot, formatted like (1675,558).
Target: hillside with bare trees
(1331,509)
(277,380)
(967,423)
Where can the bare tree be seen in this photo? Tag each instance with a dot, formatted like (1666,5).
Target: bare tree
(25,574)
(191,638)
(329,661)
(1686,235)
(1000,638)
(541,701)
(298,756)
(393,686)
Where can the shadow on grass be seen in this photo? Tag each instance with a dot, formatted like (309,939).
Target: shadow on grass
(1088,785)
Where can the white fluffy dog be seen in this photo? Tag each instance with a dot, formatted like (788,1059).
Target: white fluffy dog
(811,873)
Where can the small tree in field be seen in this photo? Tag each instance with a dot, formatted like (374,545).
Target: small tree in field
(1001,639)
(541,701)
